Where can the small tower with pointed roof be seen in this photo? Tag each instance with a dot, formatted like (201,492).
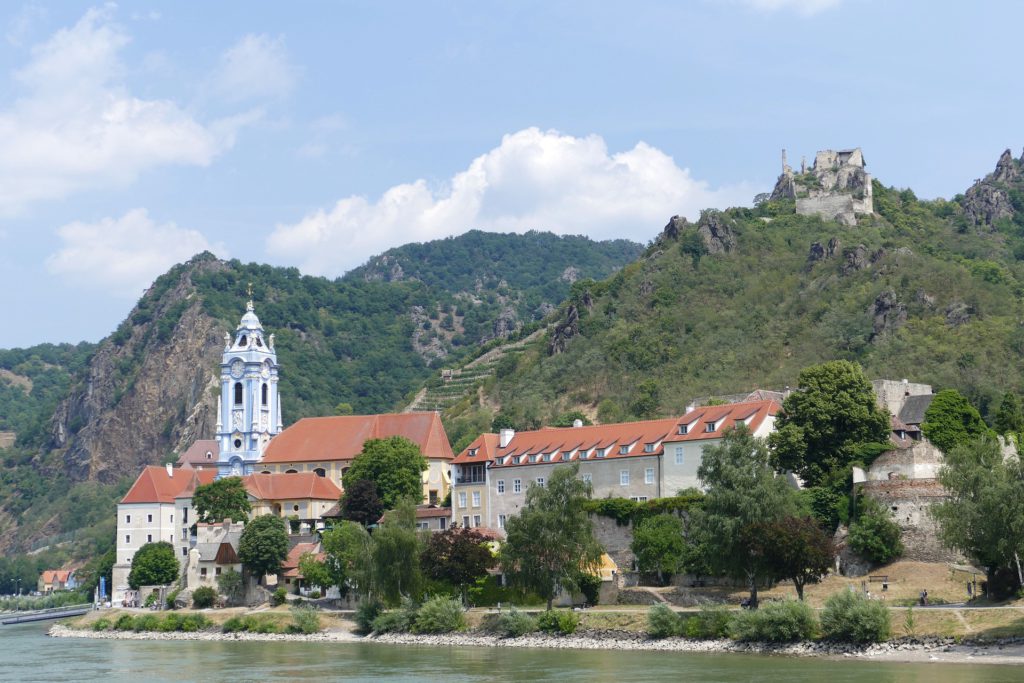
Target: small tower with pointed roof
(249,407)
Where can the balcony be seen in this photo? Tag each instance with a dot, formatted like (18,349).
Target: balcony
(470,479)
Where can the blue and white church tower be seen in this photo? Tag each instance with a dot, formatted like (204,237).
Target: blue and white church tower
(249,408)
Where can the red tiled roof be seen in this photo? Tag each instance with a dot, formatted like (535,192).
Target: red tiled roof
(196,455)
(429,512)
(319,439)
(155,485)
(636,435)
(295,486)
(51,576)
(290,566)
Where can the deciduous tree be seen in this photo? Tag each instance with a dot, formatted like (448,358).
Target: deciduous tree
(951,420)
(348,557)
(361,503)
(822,425)
(395,465)
(551,541)
(396,547)
(222,499)
(154,564)
(458,555)
(794,548)
(659,545)
(264,545)
(984,515)
(742,490)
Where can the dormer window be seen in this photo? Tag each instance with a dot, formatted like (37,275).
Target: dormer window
(566,455)
(533,458)
(600,452)
(547,457)
(683,429)
(472,452)
(209,455)
(648,448)
(623,450)
(516,459)
(709,427)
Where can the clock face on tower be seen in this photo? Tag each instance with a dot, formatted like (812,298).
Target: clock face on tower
(237,368)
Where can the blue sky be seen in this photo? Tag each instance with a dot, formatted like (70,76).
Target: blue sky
(316,134)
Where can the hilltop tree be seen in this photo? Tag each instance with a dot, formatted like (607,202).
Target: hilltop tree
(361,503)
(458,555)
(823,424)
(222,499)
(550,543)
(1009,417)
(742,490)
(984,514)
(154,564)
(951,420)
(264,545)
(395,465)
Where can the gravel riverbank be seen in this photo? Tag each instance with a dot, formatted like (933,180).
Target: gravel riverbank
(925,649)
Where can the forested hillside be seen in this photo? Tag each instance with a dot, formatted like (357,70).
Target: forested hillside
(927,290)
(88,417)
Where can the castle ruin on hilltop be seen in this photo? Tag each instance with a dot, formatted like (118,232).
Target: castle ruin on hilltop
(836,187)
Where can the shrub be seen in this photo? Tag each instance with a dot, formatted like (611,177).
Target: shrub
(875,535)
(125,622)
(279,596)
(234,625)
(365,614)
(102,624)
(662,621)
(439,614)
(203,597)
(171,622)
(590,586)
(171,597)
(854,618)
(712,622)
(777,622)
(558,621)
(150,599)
(146,622)
(514,623)
(194,622)
(390,622)
(314,595)
(305,620)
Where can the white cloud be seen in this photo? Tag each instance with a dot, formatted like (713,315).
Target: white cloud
(122,256)
(256,67)
(77,126)
(805,7)
(534,179)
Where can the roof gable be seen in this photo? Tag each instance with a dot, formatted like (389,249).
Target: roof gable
(158,485)
(295,486)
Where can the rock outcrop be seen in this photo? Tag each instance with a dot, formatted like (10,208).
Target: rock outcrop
(887,314)
(113,423)
(717,232)
(565,330)
(989,200)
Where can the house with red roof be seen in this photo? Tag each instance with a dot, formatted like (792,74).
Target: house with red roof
(636,460)
(303,498)
(158,507)
(326,446)
(56,580)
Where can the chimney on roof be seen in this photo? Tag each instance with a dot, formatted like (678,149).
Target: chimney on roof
(505,437)
(170,470)
(577,422)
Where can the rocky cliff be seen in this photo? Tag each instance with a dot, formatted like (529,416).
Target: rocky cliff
(150,390)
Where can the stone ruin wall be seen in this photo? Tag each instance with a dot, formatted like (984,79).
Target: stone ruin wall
(909,501)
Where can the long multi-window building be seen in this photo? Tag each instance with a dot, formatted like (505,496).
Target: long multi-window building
(636,460)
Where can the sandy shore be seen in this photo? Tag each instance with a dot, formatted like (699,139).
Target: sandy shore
(933,650)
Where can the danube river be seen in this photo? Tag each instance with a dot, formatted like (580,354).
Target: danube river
(26,654)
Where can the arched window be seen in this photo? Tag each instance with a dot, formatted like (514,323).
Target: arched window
(238,393)
(320,472)
(243,340)
(264,394)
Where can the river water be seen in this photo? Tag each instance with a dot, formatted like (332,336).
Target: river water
(26,654)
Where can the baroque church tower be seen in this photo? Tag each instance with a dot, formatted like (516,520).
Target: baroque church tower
(249,408)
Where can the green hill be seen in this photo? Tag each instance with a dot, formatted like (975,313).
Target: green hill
(928,290)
